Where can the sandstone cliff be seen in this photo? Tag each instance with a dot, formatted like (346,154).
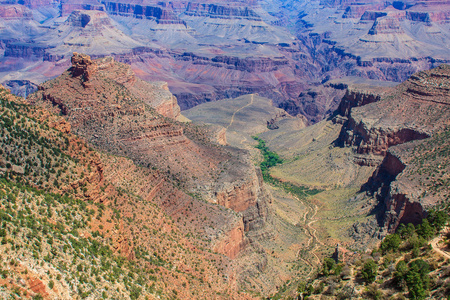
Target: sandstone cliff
(105,103)
(123,214)
(414,110)
(413,116)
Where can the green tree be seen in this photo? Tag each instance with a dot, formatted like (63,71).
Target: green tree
(437,219)
(425,230)
(417,279)
(369,271)
(328,266)
(406,231)
(401,269)
(390,243)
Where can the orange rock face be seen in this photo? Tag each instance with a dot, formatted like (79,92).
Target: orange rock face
(233,242)
(413,110)
(106,104)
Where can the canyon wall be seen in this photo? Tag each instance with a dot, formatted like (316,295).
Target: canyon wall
(397,124)
(125,119)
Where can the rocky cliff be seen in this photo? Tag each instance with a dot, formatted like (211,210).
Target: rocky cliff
(413,116)
(125,214)
(155,12)
(414,110)
(117,112)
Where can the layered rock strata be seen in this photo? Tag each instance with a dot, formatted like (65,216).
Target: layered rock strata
(105,103)
(413,116)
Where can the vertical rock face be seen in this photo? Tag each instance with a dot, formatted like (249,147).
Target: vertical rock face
(400,209)
(221,11)
(413,117)
(161,15)
(30,51)
(356,98)
(234,241)
(247,196)
(119,113)
(377,141)
(82,66)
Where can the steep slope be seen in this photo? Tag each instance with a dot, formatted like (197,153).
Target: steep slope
(114,216)
(108,111)
(124,120)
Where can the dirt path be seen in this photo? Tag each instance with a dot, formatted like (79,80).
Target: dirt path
(239,109)
(434,244)
(313,242)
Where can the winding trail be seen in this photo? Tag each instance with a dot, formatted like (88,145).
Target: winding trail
(313,242)
(434,244)
(239,109)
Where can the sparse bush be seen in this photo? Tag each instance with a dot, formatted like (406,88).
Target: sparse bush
(369,271)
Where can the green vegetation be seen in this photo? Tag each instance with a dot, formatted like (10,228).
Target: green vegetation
(272,159)
(403,266)
(369,271)
(46,228)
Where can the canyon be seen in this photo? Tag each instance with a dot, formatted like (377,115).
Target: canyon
(158,120)
(211,51)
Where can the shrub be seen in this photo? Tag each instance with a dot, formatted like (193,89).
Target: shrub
(390,243)
(328,266)
(369,271)
(417,279)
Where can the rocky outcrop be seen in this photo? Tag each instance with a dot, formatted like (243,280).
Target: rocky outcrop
(157,13)
(428,17)
(356,98)
(18,12)
(411,116)
(247,196)
(372,140)
(386,25)
(373,15)
(68,8)
(410,112)
(221,11)
(355,11)
(21,88)
(83,67)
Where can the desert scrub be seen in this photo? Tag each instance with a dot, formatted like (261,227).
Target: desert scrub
(45,229)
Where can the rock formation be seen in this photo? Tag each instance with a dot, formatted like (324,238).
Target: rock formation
(413,116)
(119,113)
